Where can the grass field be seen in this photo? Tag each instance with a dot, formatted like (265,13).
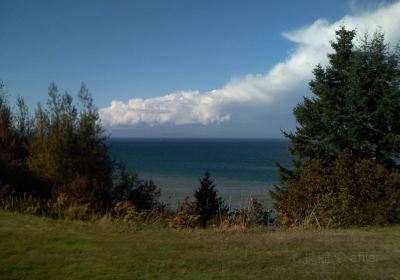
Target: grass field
(40,248)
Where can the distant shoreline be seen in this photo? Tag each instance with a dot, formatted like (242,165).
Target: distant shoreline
(197,138)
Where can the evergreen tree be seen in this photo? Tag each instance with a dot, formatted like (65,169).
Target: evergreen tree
(15,131)
(355,108)
(68,148)
(356,104)
(93,160)
(207,202)
(7,135)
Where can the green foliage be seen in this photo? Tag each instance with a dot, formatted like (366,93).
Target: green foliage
(15,131)
(61,156)
(258,214)
(61,151)
(356,104)
(70,146)
(207,202)
(144,195)
(58,163)
(347,140)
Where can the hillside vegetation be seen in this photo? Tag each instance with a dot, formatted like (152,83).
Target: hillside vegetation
(41,248)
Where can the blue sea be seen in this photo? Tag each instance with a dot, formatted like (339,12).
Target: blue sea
(241,169)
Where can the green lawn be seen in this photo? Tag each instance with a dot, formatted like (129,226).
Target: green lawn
(40,248)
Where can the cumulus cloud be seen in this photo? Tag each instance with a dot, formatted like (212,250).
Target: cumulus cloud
(285,78)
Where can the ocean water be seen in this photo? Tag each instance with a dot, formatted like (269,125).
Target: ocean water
(240,168)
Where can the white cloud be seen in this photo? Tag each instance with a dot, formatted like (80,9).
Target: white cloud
(179,108)
(285,78)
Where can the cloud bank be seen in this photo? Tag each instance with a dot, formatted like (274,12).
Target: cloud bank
(283,80)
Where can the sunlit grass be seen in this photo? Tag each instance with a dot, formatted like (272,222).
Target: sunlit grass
(39,248)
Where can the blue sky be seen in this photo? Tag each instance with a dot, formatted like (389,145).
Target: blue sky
(194,68)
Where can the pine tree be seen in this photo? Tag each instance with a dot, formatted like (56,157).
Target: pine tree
(355,108)
(207,202)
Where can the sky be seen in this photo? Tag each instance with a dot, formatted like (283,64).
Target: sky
(180,68)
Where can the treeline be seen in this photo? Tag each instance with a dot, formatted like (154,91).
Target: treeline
(56,162)
(61,152)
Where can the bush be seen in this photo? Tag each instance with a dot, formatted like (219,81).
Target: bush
(346,193)
(255,215)
(81,212)
(185,217)
(127,186)
(125,211)
(258,214)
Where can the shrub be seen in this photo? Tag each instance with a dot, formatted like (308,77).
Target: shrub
(255,215)
(127,186)
(125,211)
(82,212)
(258,214)
(185,217)
(346,193)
